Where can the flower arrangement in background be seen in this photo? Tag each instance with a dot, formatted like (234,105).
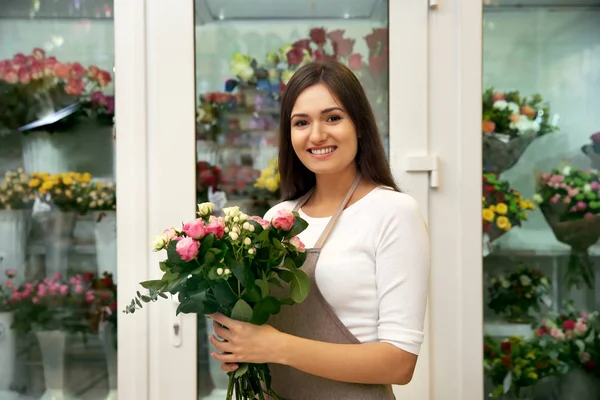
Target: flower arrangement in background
(579,333)
(516,295)
(510,123)
(592,150)
(7,289)
(515,364)
(233,265)
(209,111)
(101,107)
(15,191)
(269,179)
(34,86)
(513,115)
(208,176)
(53,304)
(238,180)
(570,201)
(66,191)
(502,207)
(98,196)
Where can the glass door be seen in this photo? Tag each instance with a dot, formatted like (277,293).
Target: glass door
(540,191)
(58,213)
(216,138)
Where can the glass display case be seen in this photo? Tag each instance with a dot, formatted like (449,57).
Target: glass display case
(245,54)
(540,205)
(57,201)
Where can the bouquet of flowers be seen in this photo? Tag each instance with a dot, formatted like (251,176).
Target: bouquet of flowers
(578,331)
(515,363)
(34,86)
(101,107)
(15,191)
(65,191)
(53,304)
(99,196)
(570,201)
(502,207)
(6,290)
(516,294)
(510,123)
(233,265)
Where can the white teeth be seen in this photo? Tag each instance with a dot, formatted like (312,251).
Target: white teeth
(322,151)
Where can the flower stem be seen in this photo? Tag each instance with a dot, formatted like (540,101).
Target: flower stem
(230,387)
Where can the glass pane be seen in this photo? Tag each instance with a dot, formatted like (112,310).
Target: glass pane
(541,191)
(245,52)
(57,201)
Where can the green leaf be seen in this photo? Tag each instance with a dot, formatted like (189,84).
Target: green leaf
(194,304)
(241,371)
(285,275)
(154,284)
(263,285)
(239,271)
(224,294)
(299,226)
(252,294)
(287,302)
(263,236)
(299,286)
(241,311)
(164,266)
(161,294)
(205,245)
(176,285)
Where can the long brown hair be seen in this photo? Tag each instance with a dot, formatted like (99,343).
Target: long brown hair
(296,179)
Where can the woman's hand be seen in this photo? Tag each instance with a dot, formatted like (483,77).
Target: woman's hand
(243,342)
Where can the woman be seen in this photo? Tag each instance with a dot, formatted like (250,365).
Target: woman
(360,329)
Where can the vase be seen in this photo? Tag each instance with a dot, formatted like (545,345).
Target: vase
(106,333)
(217,375)
(105,233)
(45,152)
(501,153)
(503,330)
(13,239)
(58,240)
(52,346)
(7,352)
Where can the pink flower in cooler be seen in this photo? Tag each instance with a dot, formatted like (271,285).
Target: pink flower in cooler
(11,77)
(284,220)
(580,327)
(355,61)
(557,334)
(194,229)
(39,54)
(62,70)
(187,248)
(77,71)
(75,87)
(10,273)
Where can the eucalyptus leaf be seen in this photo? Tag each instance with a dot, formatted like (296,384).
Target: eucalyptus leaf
(155,284)
(241,311)
(299,286)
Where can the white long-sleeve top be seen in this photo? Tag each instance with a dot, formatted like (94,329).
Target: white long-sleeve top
(374,268)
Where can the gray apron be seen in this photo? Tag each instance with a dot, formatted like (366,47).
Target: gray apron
(315,319)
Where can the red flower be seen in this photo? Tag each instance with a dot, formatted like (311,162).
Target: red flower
(506,361)
(88,276)
(378,64)
(113,306)
(336,36)
(542,331)
(355,61)
(505,347)
(295,56)
(319,55)
(303,44)
(318,35)
(569,325)
(379,35)
(107,282)
(343,47)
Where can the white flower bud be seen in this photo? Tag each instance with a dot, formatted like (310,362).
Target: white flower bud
(205,209)
(247,241)
(227,271)
(246,226)
(226,230)
(227,218)
(243,217)
(159,242)
(219,271)
(251,229)
(236,219)
(233,235)
(251,251)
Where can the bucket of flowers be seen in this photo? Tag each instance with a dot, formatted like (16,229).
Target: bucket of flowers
(569,199)
(510,123)
(235,266)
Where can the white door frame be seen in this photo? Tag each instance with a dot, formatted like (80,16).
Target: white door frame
(435,80)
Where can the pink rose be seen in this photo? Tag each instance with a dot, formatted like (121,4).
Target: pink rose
(194,229)
(355,61)
(580,328)
(187,248)
(39,54)
(216,228)
(57,276)
(35,300)
(263,222)
(557,334)
(62,71)
(298,245)
(74,87)
(10,273)
(78,289)
(284,220)
(78,71)
(64,290)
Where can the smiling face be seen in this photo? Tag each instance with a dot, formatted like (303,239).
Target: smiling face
(323,134)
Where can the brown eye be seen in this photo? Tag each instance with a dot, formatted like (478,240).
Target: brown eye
(334,118)
(300,123)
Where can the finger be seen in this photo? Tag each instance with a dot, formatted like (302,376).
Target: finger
(219,345)
(225,358)
(222,319)
(229,367)
(221,331)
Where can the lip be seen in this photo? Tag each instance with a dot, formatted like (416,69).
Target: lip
(322,156)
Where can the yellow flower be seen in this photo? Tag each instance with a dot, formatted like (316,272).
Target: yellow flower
(493,208)
(67,180)
(501,208)
(503,223)
(271,184)
(68,193)
(488,215)
(533,376)
(35,182)
(57,191)
(47,185)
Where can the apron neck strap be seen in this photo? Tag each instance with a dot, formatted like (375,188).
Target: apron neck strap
(336,216)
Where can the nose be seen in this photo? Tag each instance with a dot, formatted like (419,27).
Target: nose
(317,133)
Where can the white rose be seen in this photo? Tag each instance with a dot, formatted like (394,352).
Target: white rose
(537,198)
(500,104)
(159,242)
(513,107)
(566,170)
(243,217)
(205,209)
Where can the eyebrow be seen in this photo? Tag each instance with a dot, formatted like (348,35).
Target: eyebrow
(325,111)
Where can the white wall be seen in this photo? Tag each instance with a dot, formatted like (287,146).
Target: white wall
(558,55)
